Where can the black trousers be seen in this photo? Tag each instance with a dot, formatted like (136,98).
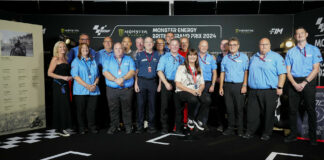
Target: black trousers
(308,97)
(86,109)
(219,103)
(261,108)
(120,99)
(234,102)
(203,110)
(166,105)
(147,95)
(195,103)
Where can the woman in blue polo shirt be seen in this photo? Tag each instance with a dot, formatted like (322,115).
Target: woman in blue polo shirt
(234,71)
(85,90)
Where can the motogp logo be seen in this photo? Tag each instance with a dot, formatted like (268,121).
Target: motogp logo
(100,30)
(320,24)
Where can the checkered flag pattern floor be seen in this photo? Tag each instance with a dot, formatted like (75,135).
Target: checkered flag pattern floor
(29,139)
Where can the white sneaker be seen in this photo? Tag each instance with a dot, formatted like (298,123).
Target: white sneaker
(64,133)
(191,124)
(199,125)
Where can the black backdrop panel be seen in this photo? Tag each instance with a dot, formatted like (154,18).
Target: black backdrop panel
(313,22)
(248,28)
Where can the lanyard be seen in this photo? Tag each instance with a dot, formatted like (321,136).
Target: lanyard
(204,61)
(262,59)
(233,59)
(88,68)
(119,63)
(175,59)
(149,60)
(194,77)
(302,52)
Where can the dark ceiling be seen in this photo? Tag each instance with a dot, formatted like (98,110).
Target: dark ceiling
(159,8)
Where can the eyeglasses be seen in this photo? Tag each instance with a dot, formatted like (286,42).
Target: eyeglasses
(160,43)
(264,44)
(108,41)
(84,39)
(233,45)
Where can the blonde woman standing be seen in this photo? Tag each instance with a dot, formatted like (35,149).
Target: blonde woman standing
(59,70)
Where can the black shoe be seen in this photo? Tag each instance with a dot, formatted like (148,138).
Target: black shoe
(128,130)
(199,125)
(248,136)
(164,131)
(220,128)
(94,131)
(265,137)
(290,138)
(240,133)
(228,132)
(151,130)
(139,130)
(313,142)
(112,130)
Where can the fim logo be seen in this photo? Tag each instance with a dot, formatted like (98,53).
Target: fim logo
(276,31)
(100,30)
(121,32)
(320,24)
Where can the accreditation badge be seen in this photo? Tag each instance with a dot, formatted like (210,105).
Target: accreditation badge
(119,72)
(149,69)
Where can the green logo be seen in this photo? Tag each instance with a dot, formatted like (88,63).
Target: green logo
(121,32)
(62,30)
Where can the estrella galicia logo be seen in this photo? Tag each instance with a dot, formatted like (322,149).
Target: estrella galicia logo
(121,32)
(276,31)
(98,30)
(320,24)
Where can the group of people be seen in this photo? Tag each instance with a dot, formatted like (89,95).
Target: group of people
(186,79)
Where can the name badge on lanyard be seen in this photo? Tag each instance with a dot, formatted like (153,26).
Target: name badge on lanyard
(119,64)
(194,77)
(88,69)
(149,69)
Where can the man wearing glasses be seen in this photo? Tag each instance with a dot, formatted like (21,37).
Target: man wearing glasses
(267,74)
(83,38)
(234,71)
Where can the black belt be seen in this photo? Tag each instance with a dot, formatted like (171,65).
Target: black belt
(233,83)
(147,78)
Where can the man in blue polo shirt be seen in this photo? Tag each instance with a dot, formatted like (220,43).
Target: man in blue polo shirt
(234,71)
(218,100)
(83,38)
(102,56)
(106,52)
(208,66)
(146,84)
(119,72)
(266,79)
(303,63)
(167,68)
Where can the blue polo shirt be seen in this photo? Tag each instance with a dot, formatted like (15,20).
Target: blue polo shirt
(234,67)
(263,73)
(75,51)
(82,68)
(142,63)
(102,55)
(301,65)
(207,65)
(111,66)
(218,62)
(169,65)
(166,48)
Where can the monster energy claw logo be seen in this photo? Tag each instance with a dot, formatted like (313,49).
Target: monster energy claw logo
(121,32)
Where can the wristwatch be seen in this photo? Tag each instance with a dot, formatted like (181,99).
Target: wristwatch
(279,87)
